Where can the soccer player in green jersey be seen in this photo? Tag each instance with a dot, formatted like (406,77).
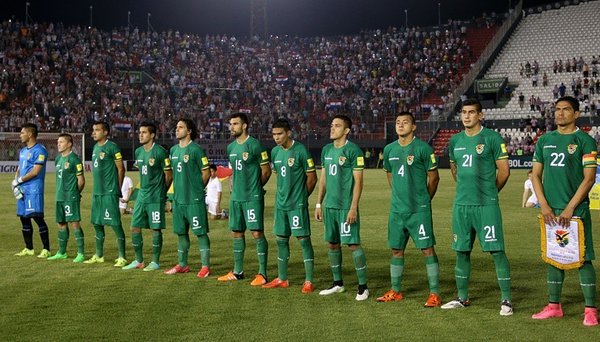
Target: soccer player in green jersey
(154,165)
(69,184)
(190,176)
(340,188)
(411,168)
(296,179)
(108,173)
(479,165)
(251,171)
(565,160)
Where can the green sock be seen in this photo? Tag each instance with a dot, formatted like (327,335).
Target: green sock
(462,273)
(555,281)
(138,246)
(157,242)
(239,247)
(360,265)
(503,274)
(308,254)
(99,230)
(396,270)
(587,279)
(283,255)
(335,260)
(79,238)
(63,238)
(433,273)
(204,246)
(183,246)
(262,252)
(120,233)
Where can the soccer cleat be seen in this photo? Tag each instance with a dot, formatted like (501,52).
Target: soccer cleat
(362,294)
(94,260)
(134,265)
(204,272)
(58,256)
(506,308)
(308,287)
(549,311)
(231,276)
(79,258)
(120,262)
(152,267)
(332,289)
(456,304)
(590,317)
(44,254)
(391,296)
(25,252)
(433,300)
(276,283)
(177,269)
(259,280)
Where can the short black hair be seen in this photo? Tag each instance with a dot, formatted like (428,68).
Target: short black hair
(212,167)
(68,137)
(104,125)
(150,125)
(282,123)
(345,118)
(32,128)
(243,117)
(572,101)
(472,102)
(409,114)
(190,126)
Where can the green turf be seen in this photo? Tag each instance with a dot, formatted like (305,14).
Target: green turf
(59,300)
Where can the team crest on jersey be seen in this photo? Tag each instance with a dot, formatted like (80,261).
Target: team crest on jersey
(572,148)
(561,237)
(410,160)
(245,156)
(66,166)
(479,148)
(102,155)
(342,160)
(186,158)
(291,162)
(151,161)
(28,156)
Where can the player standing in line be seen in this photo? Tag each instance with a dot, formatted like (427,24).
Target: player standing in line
(154,165)
(566,161)
(190,177)
(28,188)
(479,165)
(296,179)
(108,173)
(69,185)
(340,188)
(251,171)
(411,168)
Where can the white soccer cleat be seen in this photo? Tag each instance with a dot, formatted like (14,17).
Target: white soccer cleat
(332,290)
(506,308)
(362,296)
(456,304)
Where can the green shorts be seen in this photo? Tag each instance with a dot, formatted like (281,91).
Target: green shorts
(148,215)
(105,210)
(292,222)
(186,215)
(483,221)
(337,230)
(418,226)
(246,215)
(68,211)
(586,218)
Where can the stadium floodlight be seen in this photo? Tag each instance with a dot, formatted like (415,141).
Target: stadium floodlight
(406,18)
(91,16)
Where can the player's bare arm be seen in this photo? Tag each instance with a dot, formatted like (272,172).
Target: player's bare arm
(536,180)
(80,182)
(589,178)
(120,171)
(389,178)
(453,170)
(356,193)
(31,174)
(311,181)
(265,173)
(205,176)
(168,178)
(320,194)
(433,179)
(502,174)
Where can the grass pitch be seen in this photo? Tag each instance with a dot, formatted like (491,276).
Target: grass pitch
(60,300)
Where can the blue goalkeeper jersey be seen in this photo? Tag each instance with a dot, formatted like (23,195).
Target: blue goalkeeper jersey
(28,158)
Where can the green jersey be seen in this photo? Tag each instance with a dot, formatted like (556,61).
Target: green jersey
(188,163)
(104,169)
(475,160)
(246,160)
(291,166)
(152,165)
(564,157)
(67,169)
(408,166)
(340,164)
